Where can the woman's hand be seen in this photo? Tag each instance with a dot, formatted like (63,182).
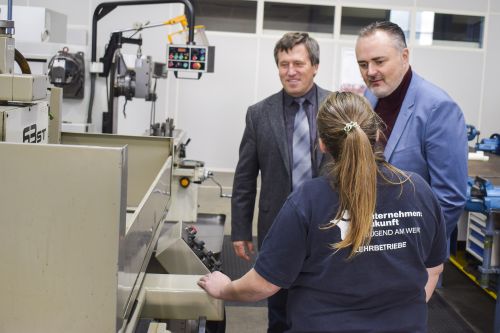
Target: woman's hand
(250,288)
(214,283)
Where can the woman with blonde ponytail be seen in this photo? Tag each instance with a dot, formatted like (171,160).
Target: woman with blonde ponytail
(361,248)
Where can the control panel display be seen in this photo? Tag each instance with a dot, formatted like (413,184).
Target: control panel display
(190,58)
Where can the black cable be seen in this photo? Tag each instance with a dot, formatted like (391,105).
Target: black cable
(110,124)
(154,100)
(107,87)
(124,105)
(21,61)
(152,113)
(135,33)
(91,98)
(151,121)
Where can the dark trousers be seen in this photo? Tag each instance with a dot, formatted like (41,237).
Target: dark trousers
(276,312)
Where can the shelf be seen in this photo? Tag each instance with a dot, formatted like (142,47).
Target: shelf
(476,235)
(476,229)
(476,241)
(476,255)
(477,218)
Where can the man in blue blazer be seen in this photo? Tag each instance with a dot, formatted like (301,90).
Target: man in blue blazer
(268,146)
(425,130)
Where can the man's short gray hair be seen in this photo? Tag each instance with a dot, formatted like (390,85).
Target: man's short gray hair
(291,39)
(390,28)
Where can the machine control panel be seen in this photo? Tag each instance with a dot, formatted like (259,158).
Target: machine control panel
(207,257)
(193,58)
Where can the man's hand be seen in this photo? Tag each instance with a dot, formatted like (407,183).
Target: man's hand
(243,249)
(214,283)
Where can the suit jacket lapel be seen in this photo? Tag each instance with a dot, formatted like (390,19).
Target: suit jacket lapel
(403,117)
(277,121)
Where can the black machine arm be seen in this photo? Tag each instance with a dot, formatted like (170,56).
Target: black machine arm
(116,41)
(105,8)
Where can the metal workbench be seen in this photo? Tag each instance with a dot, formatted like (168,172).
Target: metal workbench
(490,170)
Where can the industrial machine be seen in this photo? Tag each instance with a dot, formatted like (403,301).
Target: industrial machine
(482,196)
(24,112)
(75,258)
(137,80)
(67,71)
(490,145)
(472,132)
(185,60)
(186,176)
(29,109)
(82,221)
(483,227)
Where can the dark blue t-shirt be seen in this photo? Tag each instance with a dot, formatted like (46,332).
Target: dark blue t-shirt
(379,290)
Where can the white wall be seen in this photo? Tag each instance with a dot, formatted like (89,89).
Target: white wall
(489,112)
(460,74)
(213,109)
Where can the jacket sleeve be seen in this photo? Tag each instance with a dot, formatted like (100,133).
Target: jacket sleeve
(446,152)
(245,183)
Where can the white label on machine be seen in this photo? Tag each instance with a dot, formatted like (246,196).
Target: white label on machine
(59,63)
(28,124)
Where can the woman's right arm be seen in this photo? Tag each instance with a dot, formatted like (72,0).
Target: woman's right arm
(251,287)
(432,280)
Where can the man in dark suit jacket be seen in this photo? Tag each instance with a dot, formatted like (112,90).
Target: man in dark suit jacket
(268,146)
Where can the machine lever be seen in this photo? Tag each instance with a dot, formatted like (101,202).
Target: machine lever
(210,175)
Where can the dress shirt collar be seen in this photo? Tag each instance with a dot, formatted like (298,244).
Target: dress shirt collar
(310,96)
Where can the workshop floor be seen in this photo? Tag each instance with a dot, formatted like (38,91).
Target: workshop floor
(470,302)
(460,305)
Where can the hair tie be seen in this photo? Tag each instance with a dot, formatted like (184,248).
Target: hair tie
(349,126)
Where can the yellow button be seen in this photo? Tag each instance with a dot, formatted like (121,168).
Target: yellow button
(184,182)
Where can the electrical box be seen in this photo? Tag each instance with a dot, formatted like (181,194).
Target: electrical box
(23,87)
(25,123)
(37,24)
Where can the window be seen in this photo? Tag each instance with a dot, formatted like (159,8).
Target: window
(226,15)
(298,17)
(353,19)
(448,29)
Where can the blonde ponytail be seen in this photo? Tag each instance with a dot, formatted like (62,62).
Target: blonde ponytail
(356,174)
(348,129)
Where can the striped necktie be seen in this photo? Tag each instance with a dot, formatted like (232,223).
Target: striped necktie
(301,147)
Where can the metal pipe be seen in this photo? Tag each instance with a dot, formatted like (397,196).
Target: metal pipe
(9,10)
